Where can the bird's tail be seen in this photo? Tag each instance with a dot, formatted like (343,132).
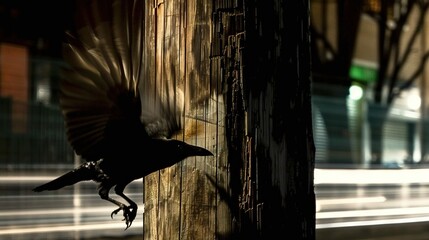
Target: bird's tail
(82,173)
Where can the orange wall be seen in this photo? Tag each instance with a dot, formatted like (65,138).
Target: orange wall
(14,82)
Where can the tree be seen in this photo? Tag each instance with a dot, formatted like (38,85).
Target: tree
(253,59)
(394,49)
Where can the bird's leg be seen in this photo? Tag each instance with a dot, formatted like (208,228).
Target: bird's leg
(129,211)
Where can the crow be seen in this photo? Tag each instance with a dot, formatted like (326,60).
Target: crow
(118,121)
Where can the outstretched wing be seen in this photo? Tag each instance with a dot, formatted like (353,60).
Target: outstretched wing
(102,86)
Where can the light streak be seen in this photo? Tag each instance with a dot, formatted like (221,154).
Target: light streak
(351,200)
(66,228)
(372,222)
(371,176)
(16,179)
(337,201)
(372,212)
(54,211)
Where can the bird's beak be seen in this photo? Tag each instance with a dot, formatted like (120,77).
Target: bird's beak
(199,151)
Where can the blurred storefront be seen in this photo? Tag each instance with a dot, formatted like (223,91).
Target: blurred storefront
(354,119)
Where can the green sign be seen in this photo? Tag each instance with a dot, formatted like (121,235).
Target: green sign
(362,73)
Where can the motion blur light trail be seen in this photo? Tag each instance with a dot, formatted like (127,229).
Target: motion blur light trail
(363,197)
(65,228)
(344,198)
(370,176)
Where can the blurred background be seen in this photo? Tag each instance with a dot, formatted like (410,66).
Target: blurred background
(370,116)
(370,123)
(33,143)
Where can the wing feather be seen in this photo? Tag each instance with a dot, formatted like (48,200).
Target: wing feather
(103,86)
(98,77)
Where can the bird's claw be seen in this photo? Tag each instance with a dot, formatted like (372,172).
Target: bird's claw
(129,214)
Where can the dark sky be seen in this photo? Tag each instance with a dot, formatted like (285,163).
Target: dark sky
(39,24)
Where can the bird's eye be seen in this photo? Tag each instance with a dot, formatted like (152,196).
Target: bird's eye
(179,146)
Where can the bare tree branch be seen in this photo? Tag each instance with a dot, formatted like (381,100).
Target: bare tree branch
(398,67)
(414,76)
(326,44)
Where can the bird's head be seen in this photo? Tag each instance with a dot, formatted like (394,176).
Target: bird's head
(167,152)
(181,150)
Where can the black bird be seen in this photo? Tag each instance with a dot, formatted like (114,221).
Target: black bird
(119,122)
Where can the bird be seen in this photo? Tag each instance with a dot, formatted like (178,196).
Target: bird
(119,121)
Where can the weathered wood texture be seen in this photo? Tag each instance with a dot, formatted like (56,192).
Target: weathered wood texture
(278,150)
(182,202)
(245,70)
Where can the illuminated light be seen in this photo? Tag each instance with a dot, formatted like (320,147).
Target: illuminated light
(355,92)
(352,200)
(66,228)
(43,94)
(405,113)
(360,200)
(372,222)
(55,228)
(54,211)
(34,178)
(363,71)
(414,102)
(373,212)
(26,178)
(371,176)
